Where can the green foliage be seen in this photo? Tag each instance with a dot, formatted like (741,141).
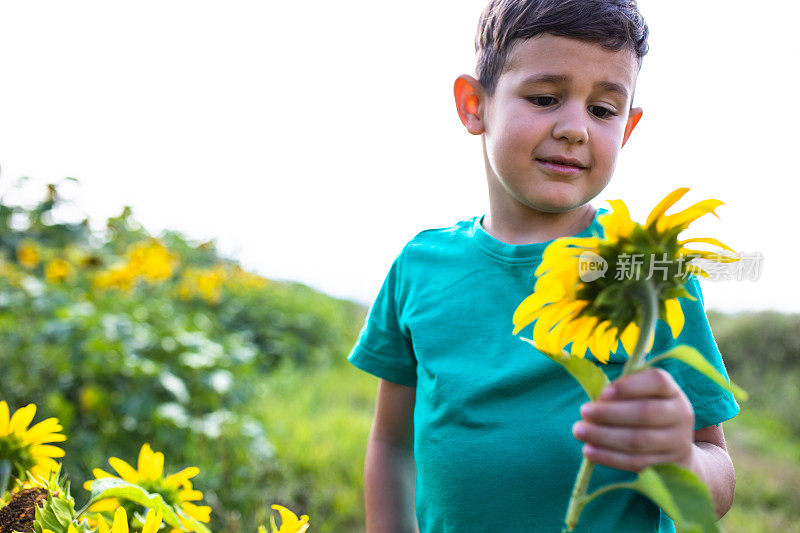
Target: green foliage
(681,494)
(167,362)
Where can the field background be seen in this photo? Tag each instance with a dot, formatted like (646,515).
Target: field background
(247,378)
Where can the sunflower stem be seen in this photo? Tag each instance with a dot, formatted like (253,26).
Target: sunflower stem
(649,308)
(579,499)
(5,475)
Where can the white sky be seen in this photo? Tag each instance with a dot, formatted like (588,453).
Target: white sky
(313,139)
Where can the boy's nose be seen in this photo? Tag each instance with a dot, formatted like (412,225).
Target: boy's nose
(571,125)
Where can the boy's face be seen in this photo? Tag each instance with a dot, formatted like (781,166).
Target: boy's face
(560,98)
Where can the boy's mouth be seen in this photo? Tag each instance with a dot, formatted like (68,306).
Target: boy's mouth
(562,161)
(561,166)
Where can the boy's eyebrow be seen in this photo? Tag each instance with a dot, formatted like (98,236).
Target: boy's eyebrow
(562,78)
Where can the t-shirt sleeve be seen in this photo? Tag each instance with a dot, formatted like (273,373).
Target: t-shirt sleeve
(711,403)
(382,348)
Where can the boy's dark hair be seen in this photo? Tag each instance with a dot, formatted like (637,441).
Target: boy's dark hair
(614,24)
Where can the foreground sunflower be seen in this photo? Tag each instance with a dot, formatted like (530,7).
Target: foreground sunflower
(27,448)
(646,264)
(176,489)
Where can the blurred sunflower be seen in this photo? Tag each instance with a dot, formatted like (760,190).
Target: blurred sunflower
(29,253)
(206,283)
(151,260)
(26,448)
(58,270)
(595,312)
(176,489)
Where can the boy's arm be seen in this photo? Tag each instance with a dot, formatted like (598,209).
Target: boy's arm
(711,462)
(390,470)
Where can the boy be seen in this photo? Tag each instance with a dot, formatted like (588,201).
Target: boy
(473,429)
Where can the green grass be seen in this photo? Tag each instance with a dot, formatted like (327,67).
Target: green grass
(319,421)
(766,456)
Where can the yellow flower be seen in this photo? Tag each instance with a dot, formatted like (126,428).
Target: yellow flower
(289,521)
(204,282)
(58,270)
(29,253)
(176,489)
(152,523)
(242,280)
(120,277)
(594,312)
(27,448)
(151,260)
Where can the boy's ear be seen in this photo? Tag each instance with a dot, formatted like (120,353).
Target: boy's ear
(467,91)
(634,116)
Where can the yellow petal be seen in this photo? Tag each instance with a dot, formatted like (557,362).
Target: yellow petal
(102,524)
(710,256)
(120,521)
(4,418)
(708,240)
(108,505)
(198,512)
(618,223)
(45,450)
(668,201)
(188,495)
(597,343)
(694,269)
(629,337)
(183,476)
(21,418)
(675,317)
(125,470)
(152,522)
(688,215)
(45,431)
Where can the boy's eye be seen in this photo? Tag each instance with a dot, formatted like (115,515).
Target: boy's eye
(538,100)
(604,112)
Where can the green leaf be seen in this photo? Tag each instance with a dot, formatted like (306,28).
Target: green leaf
(695,359)
(681,494)
(111,487)
(589,375)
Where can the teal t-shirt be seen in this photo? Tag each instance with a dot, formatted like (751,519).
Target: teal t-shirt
(493,417)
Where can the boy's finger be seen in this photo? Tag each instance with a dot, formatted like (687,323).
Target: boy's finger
(626,439)
(652,412)
(622,460)
(648,382)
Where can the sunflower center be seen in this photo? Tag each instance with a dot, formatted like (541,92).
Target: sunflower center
(20,512)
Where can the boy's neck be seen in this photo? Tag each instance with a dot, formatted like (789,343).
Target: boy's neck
(536,226)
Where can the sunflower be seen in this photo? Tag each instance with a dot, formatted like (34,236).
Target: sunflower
(176,489)
(27,448)
(595,312)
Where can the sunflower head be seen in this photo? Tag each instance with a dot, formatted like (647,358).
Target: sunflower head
(572,304)
(176,489)
(28,448)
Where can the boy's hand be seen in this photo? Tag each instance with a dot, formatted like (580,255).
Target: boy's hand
(639,420)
